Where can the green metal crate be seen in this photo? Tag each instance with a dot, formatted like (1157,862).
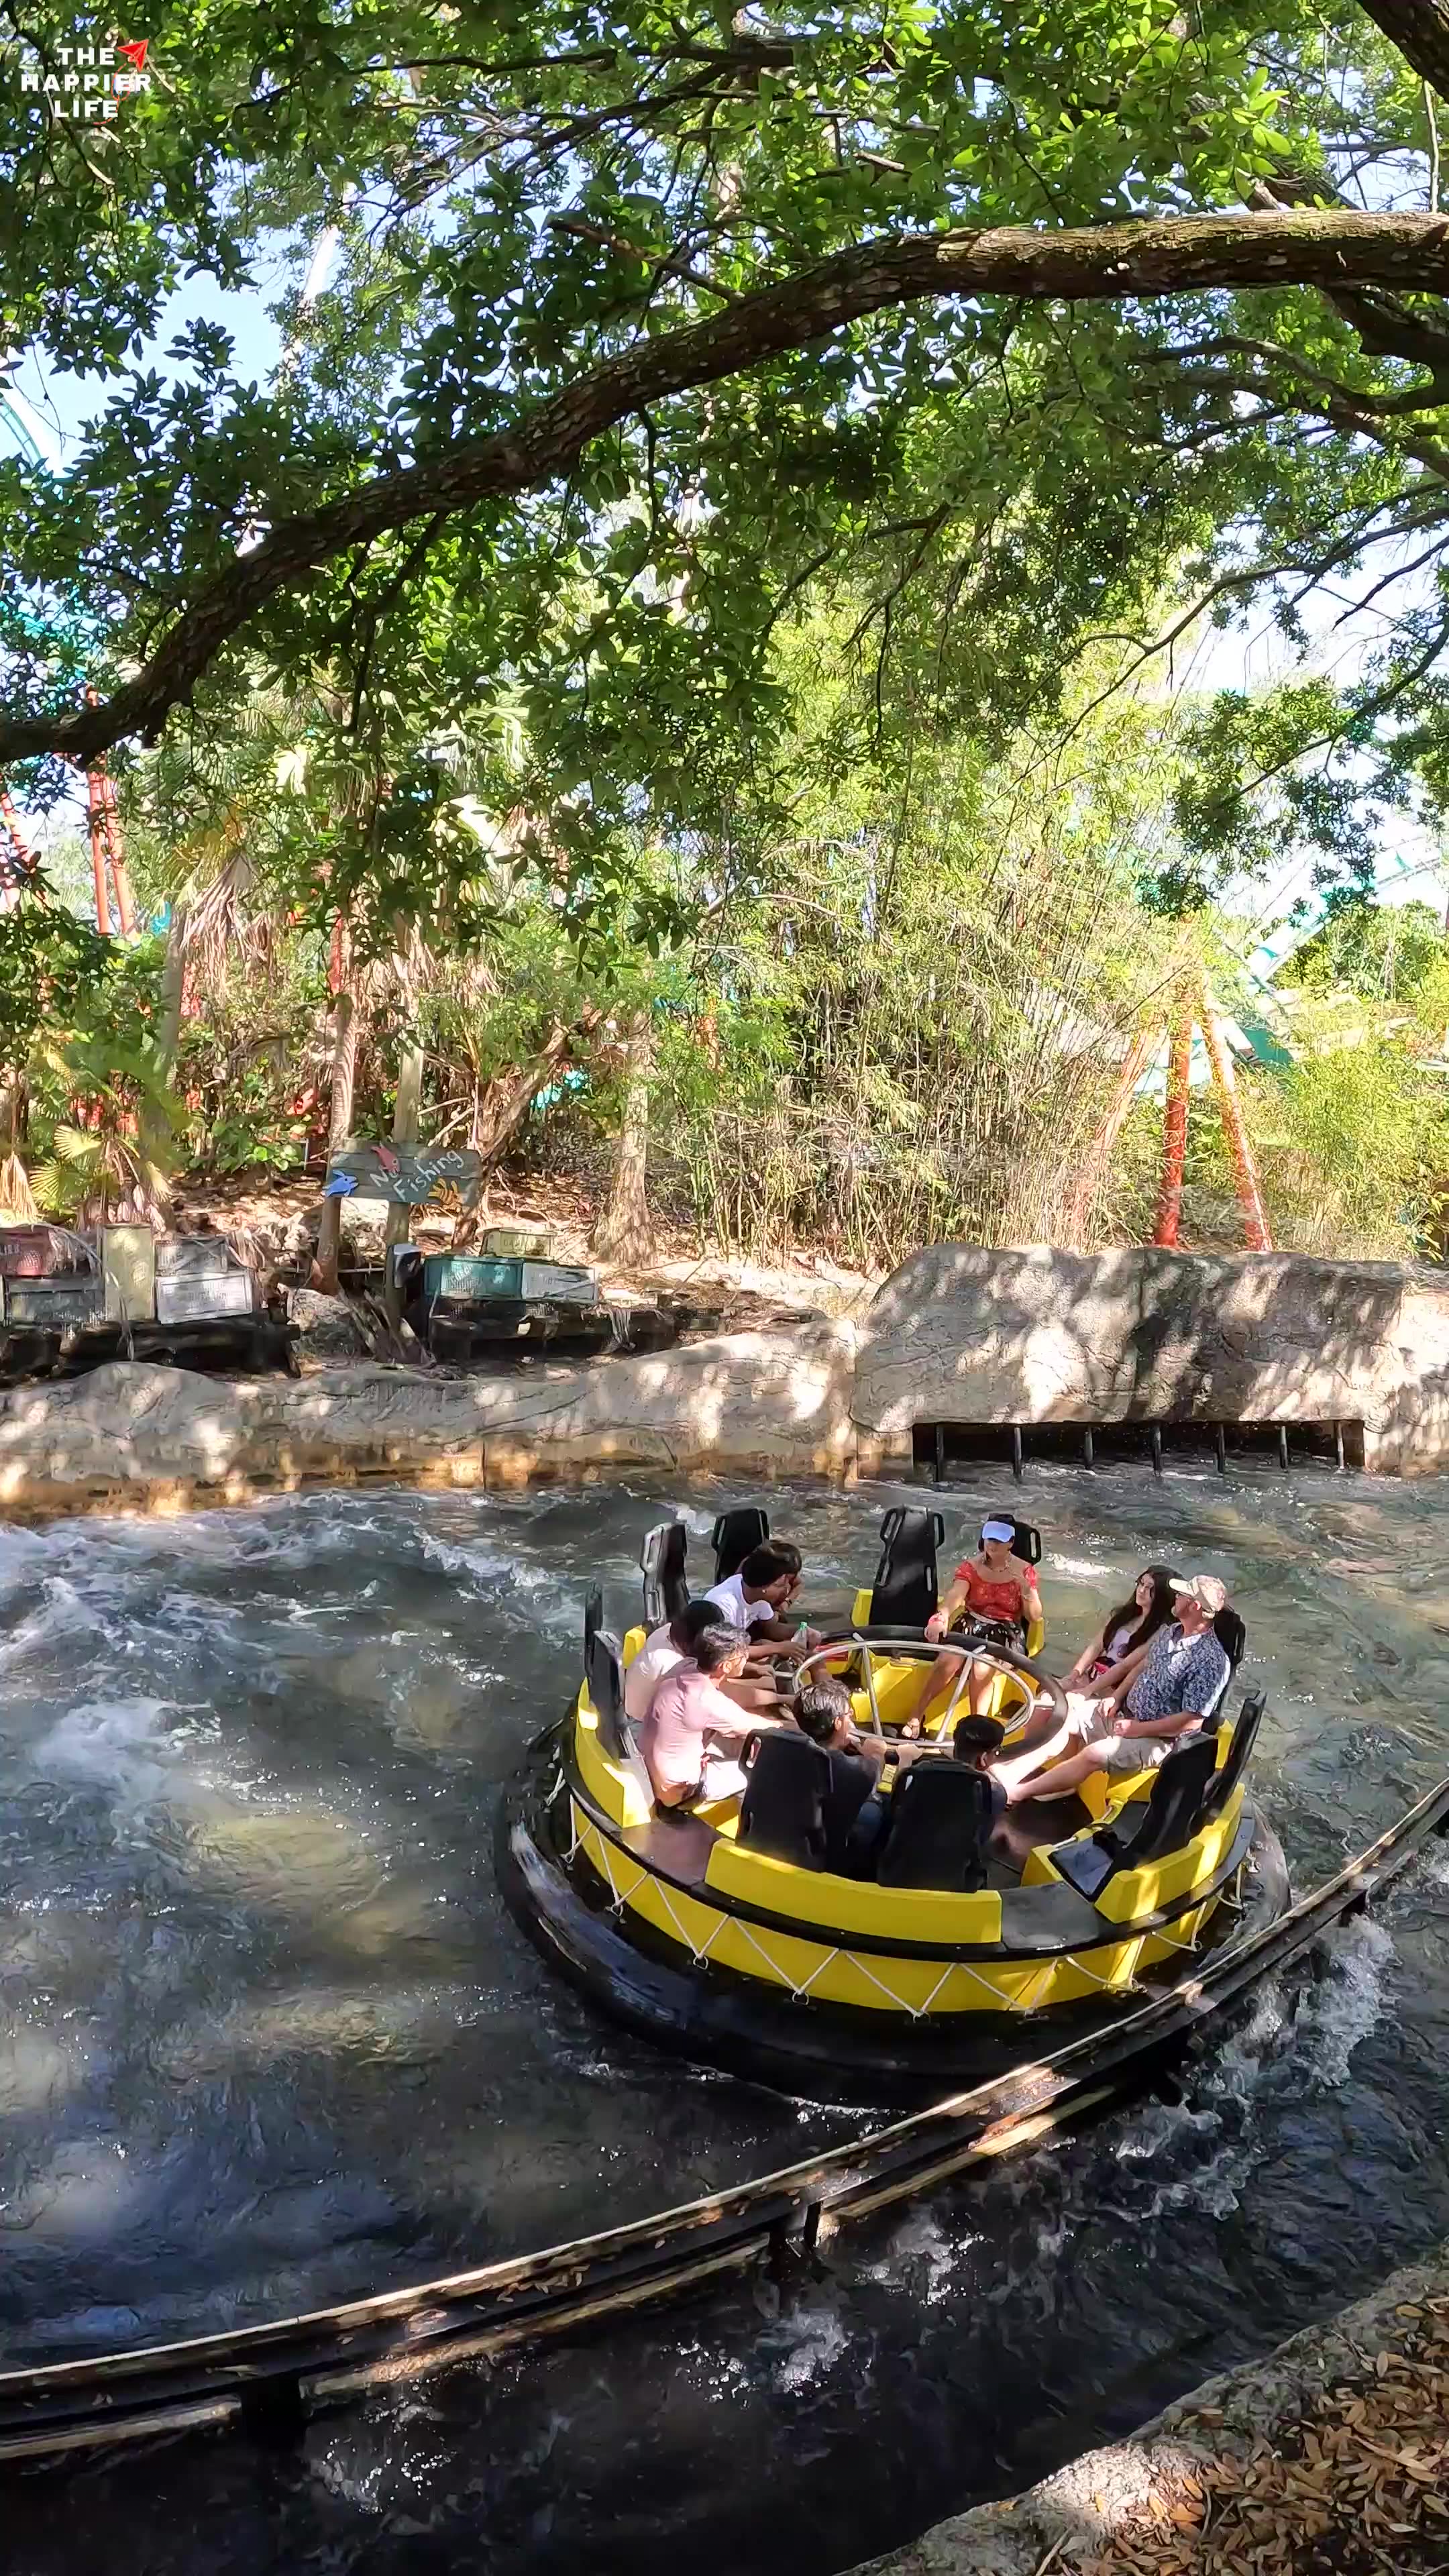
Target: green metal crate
(474,1280)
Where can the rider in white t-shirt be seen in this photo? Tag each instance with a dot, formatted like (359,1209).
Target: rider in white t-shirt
(758,1599)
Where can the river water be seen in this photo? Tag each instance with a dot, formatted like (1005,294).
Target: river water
(268,2040)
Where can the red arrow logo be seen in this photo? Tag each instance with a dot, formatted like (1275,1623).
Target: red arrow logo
(135,52)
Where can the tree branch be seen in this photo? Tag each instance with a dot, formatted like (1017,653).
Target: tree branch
(1420,30)
(1308,246)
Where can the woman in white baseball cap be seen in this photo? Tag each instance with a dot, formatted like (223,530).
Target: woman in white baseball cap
(994,1584)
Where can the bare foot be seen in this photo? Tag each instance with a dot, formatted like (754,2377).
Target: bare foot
(912,1727)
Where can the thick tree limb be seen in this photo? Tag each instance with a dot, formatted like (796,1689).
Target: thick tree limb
(1420,29)
(1302,246)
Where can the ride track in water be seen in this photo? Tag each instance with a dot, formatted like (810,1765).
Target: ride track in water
(269,2377)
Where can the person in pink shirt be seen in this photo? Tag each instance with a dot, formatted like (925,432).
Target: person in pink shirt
(689,1707)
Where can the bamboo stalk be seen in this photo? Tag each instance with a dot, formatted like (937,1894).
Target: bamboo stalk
(1091,1170)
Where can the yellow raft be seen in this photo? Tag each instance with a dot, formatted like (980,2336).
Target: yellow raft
(844,1988)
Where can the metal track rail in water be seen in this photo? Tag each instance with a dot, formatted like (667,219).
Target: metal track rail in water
(270,2376)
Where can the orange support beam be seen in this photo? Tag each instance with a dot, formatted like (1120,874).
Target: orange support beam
(1256,1231)
(1167,1230)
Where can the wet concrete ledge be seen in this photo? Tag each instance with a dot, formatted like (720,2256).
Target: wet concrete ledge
(133,1437)
(1090,2511)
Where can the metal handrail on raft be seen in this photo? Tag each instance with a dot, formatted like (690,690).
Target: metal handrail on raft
(265,2376)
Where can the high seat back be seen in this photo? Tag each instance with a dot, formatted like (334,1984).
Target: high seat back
(1170,1818)
(1174,1809)
(593,1619)
(604,1673)
(783,1810)
(1232,1636)
(734,1534)
(1222,1784)
(940,1821)
(661,1562)
(905,1591)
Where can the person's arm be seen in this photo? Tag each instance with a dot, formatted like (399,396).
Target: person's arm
(1089,1655)
(1175,1724)
(727,1719)
(873,1747)
(954,1598)
(1196,1681)
(1030,1597)
(1117,1681)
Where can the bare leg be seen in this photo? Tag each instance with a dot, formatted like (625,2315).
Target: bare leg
(1062,1779)
(1022,1766)
(935,1680)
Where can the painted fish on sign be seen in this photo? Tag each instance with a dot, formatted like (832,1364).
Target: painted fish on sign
(404,1175)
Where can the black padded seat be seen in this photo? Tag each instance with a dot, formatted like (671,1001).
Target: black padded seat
(734,1535)
(904,1594)
(1232,1636)
(604,1673)
(1035,1921)
(662,1562)
(1221,1786)
(782,1812)
(941,1816)
(1170,1818)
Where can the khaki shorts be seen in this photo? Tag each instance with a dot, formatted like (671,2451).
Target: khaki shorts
(1124,1753)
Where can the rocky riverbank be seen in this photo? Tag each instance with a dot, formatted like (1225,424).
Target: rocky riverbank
(1329,2458)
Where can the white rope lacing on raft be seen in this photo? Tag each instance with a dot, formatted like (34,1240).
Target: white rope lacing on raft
(1026,1999)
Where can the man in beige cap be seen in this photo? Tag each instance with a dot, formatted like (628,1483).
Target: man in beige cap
(1181,1683)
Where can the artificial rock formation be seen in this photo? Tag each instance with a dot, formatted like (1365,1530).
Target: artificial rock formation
(130,1436)
(961,1335)
(956,1335)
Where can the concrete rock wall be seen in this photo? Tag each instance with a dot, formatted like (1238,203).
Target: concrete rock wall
(132,1436)
(959,1334)
(955,1335)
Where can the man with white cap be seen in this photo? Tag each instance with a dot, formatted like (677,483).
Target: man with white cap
(1181,1683)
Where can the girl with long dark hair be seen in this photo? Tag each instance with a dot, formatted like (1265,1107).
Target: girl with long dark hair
(1128,1631)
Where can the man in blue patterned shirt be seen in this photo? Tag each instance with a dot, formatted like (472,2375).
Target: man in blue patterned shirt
(1181,1683)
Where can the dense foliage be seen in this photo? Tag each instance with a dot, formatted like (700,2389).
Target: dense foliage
(691,615)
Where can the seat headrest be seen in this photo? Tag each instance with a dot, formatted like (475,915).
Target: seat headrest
(662,1562)
(1231,1635)
(735,1535)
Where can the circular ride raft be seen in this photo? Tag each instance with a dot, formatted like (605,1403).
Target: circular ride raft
(977,1946)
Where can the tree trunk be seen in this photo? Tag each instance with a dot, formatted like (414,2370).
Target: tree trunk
(500,1110)
(406,1121)
(339,1116)
(624,1232)
(15,1194)
(1337,248)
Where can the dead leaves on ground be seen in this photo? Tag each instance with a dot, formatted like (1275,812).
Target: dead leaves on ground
(1358,2488)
